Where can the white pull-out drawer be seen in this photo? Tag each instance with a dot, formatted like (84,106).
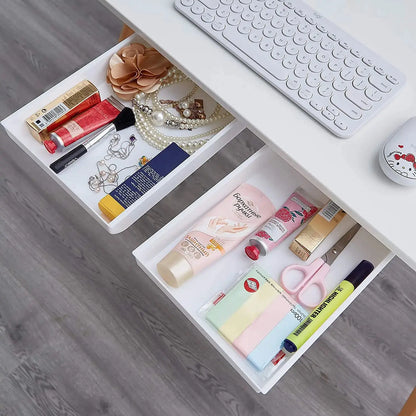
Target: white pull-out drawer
(277,180)
(74,179)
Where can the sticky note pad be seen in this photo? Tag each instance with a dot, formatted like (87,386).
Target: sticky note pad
(271,344)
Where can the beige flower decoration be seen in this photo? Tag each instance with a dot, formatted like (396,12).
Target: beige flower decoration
(134,69)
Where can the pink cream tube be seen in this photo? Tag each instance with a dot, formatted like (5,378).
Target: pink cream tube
(216,233)
(85,123)
(294,212)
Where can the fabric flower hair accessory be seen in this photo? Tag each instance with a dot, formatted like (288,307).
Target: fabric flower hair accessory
(136,68)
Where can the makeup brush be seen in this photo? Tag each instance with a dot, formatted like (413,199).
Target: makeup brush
(122,121)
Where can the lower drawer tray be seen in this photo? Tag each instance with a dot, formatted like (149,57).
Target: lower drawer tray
(74,179)
(277,180)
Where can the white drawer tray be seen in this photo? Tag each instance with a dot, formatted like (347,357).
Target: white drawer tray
(74,179)
(277,180)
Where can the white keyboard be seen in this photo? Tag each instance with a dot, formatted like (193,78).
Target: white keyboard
(329,74)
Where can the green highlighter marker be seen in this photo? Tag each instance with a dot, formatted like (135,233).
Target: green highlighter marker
(313,322)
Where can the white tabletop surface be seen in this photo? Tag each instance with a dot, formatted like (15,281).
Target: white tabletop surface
(346,170)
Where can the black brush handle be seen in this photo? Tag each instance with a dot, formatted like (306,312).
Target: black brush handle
(68,158)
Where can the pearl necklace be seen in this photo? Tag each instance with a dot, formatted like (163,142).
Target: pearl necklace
(148,118)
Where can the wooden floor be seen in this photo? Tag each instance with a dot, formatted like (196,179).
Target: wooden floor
(84,332)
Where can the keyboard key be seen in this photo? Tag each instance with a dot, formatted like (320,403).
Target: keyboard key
(280,40)
(289,5)
(266,44)
(359,99)
(256,7)
(208,17)
(339,53)
(333,36)
(292,49)
(327,114)
(271,4)
(373,94)
(322,28)
(237,8)
(277,22)
(344,44)
(269,32)
(335,66)
(368,61)
(289,62)
(315,36)
(277,54)
(341,123)
(325,90)
(247,15)
(300,12)
(333,110)
(211,4)
(305,93)
(299,39)
(351,62)
(323,57)
(392,79)
(245,1)
(227,2)
(303,58)
(293,83)
(363,71)
(293,20)
(218,25)
(255,36)
(187,3)
(223,12)
(197,8)
(316,105)
(244,28)
(266,14)
(327,75)
(327,45)
(313,80)
(380,70)
(310,20)
(288,31)
(360,83)
(379,83)
(315,66)
(311,48)
(301,71)
(282,11)
(234,19)
(346,106)
(339,85)
(304,28)
(258,23)
(347,74)
(356,53)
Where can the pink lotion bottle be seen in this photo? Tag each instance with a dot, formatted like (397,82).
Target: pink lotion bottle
(297,209)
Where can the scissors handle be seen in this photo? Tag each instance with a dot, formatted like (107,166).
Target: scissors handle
(313,274)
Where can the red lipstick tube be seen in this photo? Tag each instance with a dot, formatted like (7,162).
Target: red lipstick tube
(82,124)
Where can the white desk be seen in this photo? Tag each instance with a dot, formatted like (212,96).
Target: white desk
(346,170)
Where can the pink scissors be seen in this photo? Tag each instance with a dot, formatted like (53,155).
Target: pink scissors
(315,273)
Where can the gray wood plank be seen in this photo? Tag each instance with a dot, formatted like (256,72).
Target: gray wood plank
(83,330)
